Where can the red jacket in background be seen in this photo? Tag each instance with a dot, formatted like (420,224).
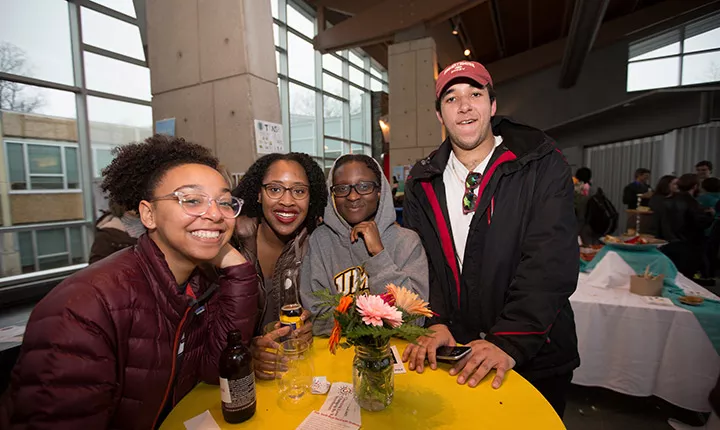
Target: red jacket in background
(100,349)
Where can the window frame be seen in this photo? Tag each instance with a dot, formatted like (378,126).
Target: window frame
(682,37)
(26,163)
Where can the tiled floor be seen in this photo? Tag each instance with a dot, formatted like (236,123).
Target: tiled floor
(600,409)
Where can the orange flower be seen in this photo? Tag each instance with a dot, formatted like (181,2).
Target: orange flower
(409,301)
(345,303)
(334,337)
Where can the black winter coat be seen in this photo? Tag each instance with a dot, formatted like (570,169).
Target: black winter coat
(521,257)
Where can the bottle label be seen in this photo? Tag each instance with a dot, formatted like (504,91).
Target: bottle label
(294,323)
(237,394)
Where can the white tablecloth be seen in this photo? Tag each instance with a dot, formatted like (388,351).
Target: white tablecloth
(635,348)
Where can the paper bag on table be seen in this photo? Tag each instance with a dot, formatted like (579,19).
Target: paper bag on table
(646,286)
(611,272)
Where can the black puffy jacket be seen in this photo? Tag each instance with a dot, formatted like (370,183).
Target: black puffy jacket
(521,257)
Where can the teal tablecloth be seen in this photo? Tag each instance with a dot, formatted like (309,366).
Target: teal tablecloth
(707,314)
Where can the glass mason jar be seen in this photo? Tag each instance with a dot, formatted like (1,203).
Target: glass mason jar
(373,377)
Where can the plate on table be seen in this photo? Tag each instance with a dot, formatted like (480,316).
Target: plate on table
(691,300)
(633,243)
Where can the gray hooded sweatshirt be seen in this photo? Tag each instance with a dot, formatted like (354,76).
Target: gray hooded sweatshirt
(334,263)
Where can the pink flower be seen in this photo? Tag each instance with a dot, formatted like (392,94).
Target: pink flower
(374,310)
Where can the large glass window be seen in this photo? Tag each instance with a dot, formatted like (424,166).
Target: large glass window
(326,98)
(302,119)
(52,165)
(687,55)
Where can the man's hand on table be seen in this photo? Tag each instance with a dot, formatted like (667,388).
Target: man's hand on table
(426,346)
(484,357)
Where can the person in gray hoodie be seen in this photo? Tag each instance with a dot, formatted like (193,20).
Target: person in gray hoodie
(360,246)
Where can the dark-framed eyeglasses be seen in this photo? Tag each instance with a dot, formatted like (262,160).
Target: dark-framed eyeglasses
(472,181)
(198,204)
(276,191)
(363,188)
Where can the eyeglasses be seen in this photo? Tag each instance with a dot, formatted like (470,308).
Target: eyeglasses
(362,188)
(276,191)
(198,204)
(472,181)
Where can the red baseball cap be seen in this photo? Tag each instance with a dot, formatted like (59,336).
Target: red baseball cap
(462,69)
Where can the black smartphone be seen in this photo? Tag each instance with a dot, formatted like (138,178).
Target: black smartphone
(452,353)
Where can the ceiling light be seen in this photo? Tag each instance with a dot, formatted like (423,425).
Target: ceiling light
(455,31)
(467,52)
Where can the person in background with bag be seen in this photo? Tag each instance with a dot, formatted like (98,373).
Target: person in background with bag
(114,231)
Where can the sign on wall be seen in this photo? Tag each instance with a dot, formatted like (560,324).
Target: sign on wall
(268,137)
(165,126)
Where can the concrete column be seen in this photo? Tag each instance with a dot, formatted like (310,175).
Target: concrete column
(414,128)
(212,65)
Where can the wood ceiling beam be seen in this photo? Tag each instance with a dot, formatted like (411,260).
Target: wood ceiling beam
(382,21)
(662,15)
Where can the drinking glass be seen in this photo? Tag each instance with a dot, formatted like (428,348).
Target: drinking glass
(294,370)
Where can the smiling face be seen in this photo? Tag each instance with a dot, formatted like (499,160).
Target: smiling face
(356,208)
(188,239)
(466,111)
(285,215)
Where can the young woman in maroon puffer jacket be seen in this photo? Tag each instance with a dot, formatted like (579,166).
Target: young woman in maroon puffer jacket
(118,344)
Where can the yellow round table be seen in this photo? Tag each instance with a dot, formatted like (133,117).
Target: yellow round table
(431,400)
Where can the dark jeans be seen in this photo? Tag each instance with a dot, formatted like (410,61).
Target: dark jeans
(554,390)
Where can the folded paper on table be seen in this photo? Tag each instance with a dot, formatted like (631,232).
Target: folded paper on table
(611,272)
(318,421)
(204,421)
(341,403)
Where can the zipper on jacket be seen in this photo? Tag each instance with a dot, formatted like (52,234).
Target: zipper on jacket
(178,331)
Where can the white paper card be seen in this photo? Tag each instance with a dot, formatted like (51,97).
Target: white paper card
(660,301)
(398,366)
(341,403)
(320,385)
(13,333)
(318,421)
(204,421)
(268,137)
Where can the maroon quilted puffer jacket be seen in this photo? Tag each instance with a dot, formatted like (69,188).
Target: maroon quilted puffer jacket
(101,350)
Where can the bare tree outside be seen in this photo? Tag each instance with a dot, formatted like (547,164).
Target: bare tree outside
(14,96)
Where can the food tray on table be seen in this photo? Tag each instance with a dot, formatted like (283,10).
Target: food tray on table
(633,243)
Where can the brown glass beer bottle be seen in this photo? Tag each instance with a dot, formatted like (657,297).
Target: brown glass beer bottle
(237,380)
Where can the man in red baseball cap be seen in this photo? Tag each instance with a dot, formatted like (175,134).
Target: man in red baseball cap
(493,206)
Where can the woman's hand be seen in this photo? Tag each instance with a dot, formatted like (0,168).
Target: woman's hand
(264,350)
(370,234)
(227,257)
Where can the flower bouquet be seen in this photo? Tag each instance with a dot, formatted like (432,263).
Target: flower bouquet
(368,322)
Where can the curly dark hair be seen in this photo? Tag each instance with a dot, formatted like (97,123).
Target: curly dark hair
(360,158)
(251,183)
(137,168)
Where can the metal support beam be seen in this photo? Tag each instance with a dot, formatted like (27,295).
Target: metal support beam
(497,27)
(141,14)
(380,22)
(348,7)
(587,19)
